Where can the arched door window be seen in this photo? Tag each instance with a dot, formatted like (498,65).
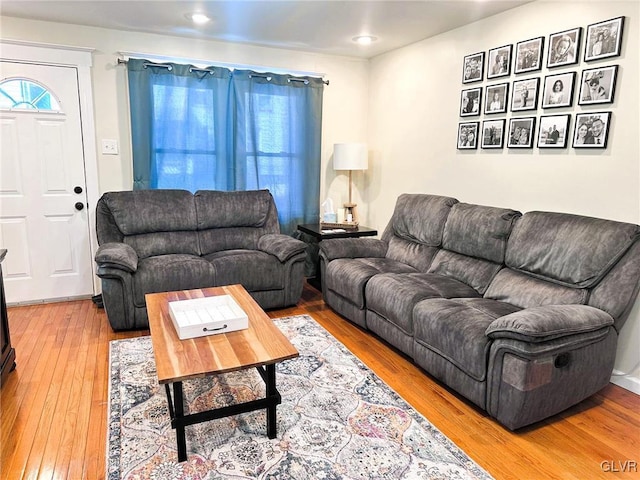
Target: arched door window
(25,94)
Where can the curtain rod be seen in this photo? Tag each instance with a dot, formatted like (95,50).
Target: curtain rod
(124,61)
(169,67)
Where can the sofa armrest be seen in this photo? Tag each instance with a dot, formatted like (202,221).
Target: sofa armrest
(549,322)
(117,255)
(281,246)
(353,248)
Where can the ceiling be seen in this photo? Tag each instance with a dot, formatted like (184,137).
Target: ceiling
(309,25)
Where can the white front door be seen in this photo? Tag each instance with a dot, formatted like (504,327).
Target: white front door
(44,222)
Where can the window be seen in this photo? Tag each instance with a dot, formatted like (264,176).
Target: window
(184,144)
(269,159)
(24,94)
(217,129)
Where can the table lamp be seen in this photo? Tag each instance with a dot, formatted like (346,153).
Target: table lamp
(350,156)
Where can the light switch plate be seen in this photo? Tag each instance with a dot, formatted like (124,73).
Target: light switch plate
(109,147)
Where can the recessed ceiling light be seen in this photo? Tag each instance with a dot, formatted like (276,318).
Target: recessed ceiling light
(364,39)
(198,18)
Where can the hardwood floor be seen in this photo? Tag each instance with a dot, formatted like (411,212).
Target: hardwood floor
(53,407)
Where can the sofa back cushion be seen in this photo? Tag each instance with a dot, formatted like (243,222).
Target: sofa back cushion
(474,242)
(234,220)
(525,291)
(217,209)
(153,222)
(558,258)
(617,291)
(415,230)
(479,231)
(566,249)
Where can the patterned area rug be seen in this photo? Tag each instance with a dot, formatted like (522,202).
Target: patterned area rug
(337,420)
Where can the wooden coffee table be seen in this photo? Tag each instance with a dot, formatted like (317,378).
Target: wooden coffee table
(262,345)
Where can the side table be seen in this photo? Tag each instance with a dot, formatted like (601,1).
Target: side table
(8,357)
(316,231)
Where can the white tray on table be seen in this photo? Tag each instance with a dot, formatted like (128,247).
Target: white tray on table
(198,317)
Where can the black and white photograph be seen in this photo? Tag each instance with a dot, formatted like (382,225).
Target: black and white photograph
(470,101)
(591,130)
(604,39)
(493,133)
(524,95)
(598,85)
(558,90)
(468,136)
(499,62)
(529,55)
(473,68)
(564,48)
(496,98)
(521,131)
(553,131)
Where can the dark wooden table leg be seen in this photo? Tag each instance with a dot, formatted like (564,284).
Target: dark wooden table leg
(271,410)
(178,400)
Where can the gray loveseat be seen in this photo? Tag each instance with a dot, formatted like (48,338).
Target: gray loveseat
(518,313)
(164,240)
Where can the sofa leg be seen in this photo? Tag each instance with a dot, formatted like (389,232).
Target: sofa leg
(97,300)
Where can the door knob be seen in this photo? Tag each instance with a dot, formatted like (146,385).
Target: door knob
(78,189)
(79,206)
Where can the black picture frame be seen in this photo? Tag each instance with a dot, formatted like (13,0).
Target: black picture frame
(499,62)
(492,134)
(524,94)
(553,131)
(518,125)
(473,68)
(591,130)
(529,55)
(604,39)
(470,102)
(496,98)
(598,85)
(464,129)
(564,48)
(558,90)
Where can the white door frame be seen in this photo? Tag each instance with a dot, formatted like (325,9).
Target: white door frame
(81,59)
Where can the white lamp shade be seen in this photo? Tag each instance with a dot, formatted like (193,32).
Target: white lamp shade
(350,156)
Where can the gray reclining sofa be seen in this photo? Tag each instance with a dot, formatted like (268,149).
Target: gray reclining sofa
(518,313)
(164,240)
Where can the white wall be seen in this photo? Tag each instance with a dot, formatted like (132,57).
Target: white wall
(414,115)
(345,99)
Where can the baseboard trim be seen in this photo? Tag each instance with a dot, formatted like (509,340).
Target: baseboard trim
(628,382)
(48,300)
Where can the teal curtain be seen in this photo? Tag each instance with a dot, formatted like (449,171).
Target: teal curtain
(218,129)
(277,141)
(179,125)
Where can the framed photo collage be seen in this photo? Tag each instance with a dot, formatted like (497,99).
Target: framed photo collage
(590,88)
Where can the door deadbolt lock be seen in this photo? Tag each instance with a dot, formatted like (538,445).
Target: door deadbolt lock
(78,189)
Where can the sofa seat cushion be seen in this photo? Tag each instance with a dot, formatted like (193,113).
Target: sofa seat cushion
(454,329)
(348,276)
(393,296)
(166,273)
(252,269)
